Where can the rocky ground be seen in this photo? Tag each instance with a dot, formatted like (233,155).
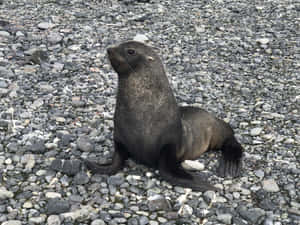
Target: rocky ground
(237,59)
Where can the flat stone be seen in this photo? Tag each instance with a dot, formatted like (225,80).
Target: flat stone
(141,38)
(5,194)
(45,25)
(12,222)
(256,131)
(158,202)
(270,185)
(263,41)
(185,211)
(53,220)
(57,206)
(98,222)
(192,165)
(55,37)
(4,33)
(53,195)
(85,144)
(225,218)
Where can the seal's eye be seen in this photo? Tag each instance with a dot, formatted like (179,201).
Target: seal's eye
(130,51)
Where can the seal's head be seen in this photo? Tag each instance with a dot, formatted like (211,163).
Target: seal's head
(130,56)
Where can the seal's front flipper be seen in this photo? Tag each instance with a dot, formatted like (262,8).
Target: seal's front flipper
(117,163)
(171,170)
(231,159)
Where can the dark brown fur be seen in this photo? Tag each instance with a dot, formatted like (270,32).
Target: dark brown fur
(151,128)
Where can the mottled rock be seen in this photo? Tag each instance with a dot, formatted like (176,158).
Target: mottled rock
(57,206)
(256,131)
(270,185)
(53,220)
(193,165)
(69,167)
(158,202)
(5,194)
(225,218)
(85,144)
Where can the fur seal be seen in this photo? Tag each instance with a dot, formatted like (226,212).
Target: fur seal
(152,129)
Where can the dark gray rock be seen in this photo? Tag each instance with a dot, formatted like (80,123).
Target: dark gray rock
(254,216)
(158,202)
(37,145)
(85,144)
(57,206)
(116,180)
(81,178)
(69,167)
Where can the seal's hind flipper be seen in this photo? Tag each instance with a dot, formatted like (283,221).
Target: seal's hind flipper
(117,163)
(171,170)
(231,159)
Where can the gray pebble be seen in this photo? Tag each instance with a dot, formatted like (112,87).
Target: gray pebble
(85,144)
(4,33)
(53,220)
(270,185)
(254,216)
(225,218)
(45,25)
(143,220)
(81,178)
(57,206)
(12,222)
(256,131)
(158,202)
(98,222)
(5,194)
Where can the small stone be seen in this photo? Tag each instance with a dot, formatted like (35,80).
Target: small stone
(54,38)
(77,102)
(225,218)
(60,119)
(116,180)
(141,38)
(263,41)
(85,144)
(270,185)
(5,194)
(29,160)
(47,88)
(27,205)
(98,222)
(143,220)
(57,206)
(259,173)
(53,220)
(37,145)
(37,220)
(185,211)
(12,222)
(45,25)
(3,84)
(193,165)
(4,33)
(252,215)
(52,195)
(209,196)
(69,167)
(3,92)
(158,202)
(81,178)
(20,34)
(256,131)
